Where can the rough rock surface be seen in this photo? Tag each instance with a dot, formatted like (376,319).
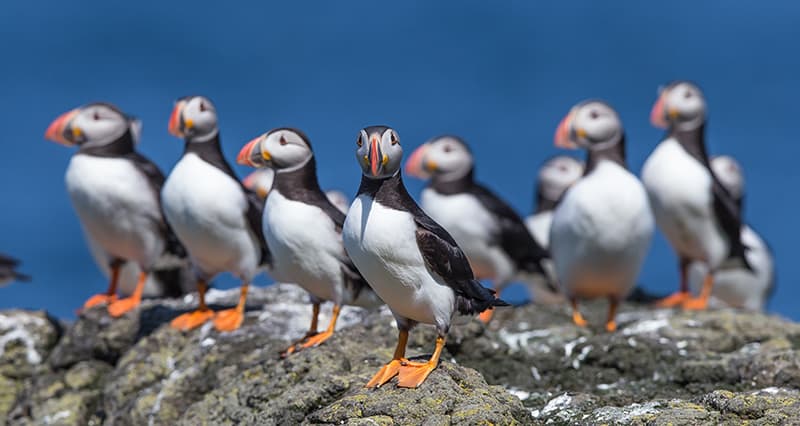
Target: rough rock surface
(529,366)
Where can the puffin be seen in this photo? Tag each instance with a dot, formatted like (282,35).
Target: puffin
(492,235)
(411,262)
(602,227)
(8,270)
(303,230)
(735,286)
(699,217)
(555,176)
(260,181)
(115,192)
(216,218)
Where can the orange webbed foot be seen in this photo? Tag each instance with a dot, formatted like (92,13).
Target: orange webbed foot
(486,315)
(316,339)
(99,299)
(673,300)
(578,319)
(412,375)
(192,320)
(611,326)
(695,304)
(386,373)
(229,319)
(123,306)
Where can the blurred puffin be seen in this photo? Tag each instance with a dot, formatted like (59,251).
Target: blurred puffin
(8,270)
(699,217)
(734,285)
(491,234)
(303,230)
(115,192)
(213,214)
(410,261)
(603,225)
(260,182)
(555,176)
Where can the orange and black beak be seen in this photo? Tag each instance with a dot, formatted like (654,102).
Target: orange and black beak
(252,155)
(177,125)
(251,182)
(418,166)
(659,114)
(62,131)
(564,133)
(377,159)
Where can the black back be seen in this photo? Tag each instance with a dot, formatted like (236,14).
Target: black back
(211,152)
(8,269)
(441,253)
(513,236)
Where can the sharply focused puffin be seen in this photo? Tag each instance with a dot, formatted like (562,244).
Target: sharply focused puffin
(260,181)
(8,270)
(303,229)
(736,286)
(555,176)
(697,214)
(491,234)
(410,261)
(213,214)
(115,192)
(602,227)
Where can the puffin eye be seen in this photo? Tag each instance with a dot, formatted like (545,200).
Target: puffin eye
(394,139)
(358,141)
(202,107)
(593,114)
(687,94)
(96,116)
(447,148)
(282,141)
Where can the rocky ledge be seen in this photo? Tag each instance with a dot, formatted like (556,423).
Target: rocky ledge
(530,366)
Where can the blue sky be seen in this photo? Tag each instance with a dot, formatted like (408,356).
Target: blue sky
(500,74)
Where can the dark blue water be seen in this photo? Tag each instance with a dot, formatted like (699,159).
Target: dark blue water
(501,74)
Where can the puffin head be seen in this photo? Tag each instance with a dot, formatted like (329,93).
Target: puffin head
(379,152)
(680,105)
(729,174)
(194,118)
(444,158)
(556,176)
(91,125)
(280,149)
(260,181)
(338,199)
(591,125)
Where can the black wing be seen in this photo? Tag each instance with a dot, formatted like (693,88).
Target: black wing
(729,218)
(443,256)
(8,269)
(254,215)
(514,237)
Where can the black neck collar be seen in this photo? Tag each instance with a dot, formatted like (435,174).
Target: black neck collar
(614,153)
(121,146)
(455,186)
(693,141)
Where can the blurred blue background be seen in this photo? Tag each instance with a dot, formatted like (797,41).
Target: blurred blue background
(500,74)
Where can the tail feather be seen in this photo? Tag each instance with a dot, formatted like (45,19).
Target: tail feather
(477,299)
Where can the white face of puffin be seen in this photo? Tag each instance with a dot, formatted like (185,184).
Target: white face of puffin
(195,118)
(92,125)
(279,149)
(260,181)
(379,152)
(558,174)
(446,157)
(590,125)
(680,105)
(729,174)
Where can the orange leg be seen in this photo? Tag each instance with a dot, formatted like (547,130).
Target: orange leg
(393,367)
(487,315)
(231,319)
(413,374)
(577,318)
(312,330)
(123,306)
(682,294)
(611,323)
(700,303)
(194,319)
(111,294)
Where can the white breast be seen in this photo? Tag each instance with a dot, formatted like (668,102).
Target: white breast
(735,286)
(473,227)
(680,193)
(601,232)
(382,244)
(117,209)
(206,208)
(305,247)
(539,226)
